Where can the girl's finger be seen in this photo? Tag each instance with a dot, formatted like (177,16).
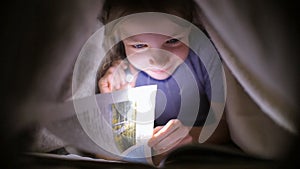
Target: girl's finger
(179,143)
(105,84)
(122,76)
(119,76)
(156,129)
(171,126)
(186,140)
(173,139)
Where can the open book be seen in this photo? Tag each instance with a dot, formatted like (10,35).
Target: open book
(118,126)
(191,156)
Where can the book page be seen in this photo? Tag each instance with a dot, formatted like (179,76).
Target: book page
(117,125)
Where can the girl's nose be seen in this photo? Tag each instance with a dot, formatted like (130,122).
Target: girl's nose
(159,57)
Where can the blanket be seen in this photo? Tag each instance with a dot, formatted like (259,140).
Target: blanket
(255,40)
(260,71)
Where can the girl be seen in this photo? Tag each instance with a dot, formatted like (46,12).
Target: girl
(155,59)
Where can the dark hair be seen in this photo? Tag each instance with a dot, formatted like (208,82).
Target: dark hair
(115,9)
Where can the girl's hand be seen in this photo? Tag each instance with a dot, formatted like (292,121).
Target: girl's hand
(169,137)
(115,78)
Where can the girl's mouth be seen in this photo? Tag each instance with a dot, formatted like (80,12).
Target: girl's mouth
(159,71)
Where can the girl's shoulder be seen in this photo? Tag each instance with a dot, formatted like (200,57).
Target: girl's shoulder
(194,63)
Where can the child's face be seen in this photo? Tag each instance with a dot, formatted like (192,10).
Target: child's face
(157,55)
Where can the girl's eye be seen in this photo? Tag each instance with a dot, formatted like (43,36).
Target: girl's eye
(172,41)
(139,46)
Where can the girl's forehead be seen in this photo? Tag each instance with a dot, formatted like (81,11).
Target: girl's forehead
(150,24)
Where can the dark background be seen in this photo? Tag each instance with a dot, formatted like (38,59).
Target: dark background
(34,33)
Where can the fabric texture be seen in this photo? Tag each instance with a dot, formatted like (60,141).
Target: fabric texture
(255,42)
(261,75)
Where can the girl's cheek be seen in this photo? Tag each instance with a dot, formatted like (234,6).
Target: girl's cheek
(180,51)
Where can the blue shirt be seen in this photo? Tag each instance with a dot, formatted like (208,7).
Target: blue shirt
(172,93)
